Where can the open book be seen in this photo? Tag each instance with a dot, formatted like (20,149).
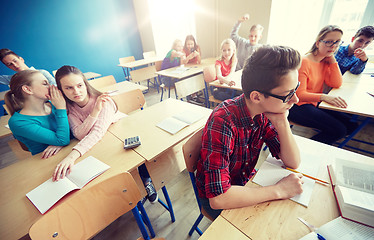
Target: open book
(353,186)
(271,171)
(342,229)
(49,192)
(179,121)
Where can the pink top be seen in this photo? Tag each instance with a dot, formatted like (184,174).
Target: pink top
(313,76)
(88,129)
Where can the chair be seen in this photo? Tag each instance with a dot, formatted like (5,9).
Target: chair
(126,71)
(93,208)
(144,74)
(129,101)
(149,54)
(191,152)
(102,82)
(210,76)
(191,85)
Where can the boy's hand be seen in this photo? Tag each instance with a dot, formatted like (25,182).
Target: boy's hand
(290,186)
(360,54)
(277,118)
(244,18)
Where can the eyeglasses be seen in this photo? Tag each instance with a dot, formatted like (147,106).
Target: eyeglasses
(286,98)
(331,43)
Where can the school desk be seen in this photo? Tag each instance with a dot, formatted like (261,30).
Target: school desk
(354,91)
(18,213)
(188,70)
(278,219)
(4,131)
(91,75)
(236,77)
(222,229)
(122,87)
(138,63)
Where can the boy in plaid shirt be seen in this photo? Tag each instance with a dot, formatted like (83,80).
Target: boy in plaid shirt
(353,57)
(236,130)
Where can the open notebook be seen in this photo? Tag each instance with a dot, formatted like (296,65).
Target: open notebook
(48,193)
(179,121)
(271,171)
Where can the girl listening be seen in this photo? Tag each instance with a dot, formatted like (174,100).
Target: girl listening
(38,110)
(319,70)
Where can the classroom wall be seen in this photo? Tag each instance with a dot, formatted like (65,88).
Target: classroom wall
(214,21)
(89,34)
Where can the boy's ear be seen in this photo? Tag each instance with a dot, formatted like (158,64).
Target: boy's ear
(26,89)
(255,96)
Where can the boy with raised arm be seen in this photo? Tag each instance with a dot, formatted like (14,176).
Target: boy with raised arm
(236,130)
(17,64)
(353,57)
(245,47)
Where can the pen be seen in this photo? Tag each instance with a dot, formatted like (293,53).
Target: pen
(370,94)
(320,237)
(318,180)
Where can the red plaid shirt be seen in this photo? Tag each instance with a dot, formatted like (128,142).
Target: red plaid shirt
(231,144)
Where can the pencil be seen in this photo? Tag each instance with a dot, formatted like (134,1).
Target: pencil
(318,180)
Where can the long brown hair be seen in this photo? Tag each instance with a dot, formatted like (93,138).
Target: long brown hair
(66,70)
(188,38)
(15,97)
(322,34)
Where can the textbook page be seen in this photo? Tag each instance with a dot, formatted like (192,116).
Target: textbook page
(342,229)
(357,198)
(86,170)
(271,172)
(172,125)
(188,116)
(48,193)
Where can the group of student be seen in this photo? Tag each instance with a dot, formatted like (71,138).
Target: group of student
(278,85)
(46,111)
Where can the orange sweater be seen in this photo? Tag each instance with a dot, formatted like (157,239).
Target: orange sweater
(312,76)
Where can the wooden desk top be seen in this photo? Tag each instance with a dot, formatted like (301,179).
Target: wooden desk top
(354,91)
(188,69)
(236,77)
(140,62)
(122,87)
(4,131)
(91,75)
(156,141)
(222,229)
(18,213)
(278,219)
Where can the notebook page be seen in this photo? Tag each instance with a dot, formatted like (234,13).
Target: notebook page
(358,198)
(171,125)
(49,192)
(188,117)
(86,170)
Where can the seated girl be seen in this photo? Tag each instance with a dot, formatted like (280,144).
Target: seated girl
(192,50)
(39,119)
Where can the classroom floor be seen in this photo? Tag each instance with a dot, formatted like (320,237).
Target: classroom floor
(180,191)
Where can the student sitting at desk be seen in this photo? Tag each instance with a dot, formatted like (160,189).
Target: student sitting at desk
(39,124)
(225,67)
(192,50)
(245,47)
(90,114)
(236,130)
(353,57)
(319,70)
(17,64)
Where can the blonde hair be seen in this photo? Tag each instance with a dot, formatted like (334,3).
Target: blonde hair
(15,98)
(322,34)
(176,41)
(232,45)
(257,27)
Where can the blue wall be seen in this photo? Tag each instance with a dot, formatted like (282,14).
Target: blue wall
(88,34)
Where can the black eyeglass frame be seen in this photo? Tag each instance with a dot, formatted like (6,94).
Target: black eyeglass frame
(337,43)
(286,98)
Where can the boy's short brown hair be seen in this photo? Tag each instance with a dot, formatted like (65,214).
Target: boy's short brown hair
(267,65)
